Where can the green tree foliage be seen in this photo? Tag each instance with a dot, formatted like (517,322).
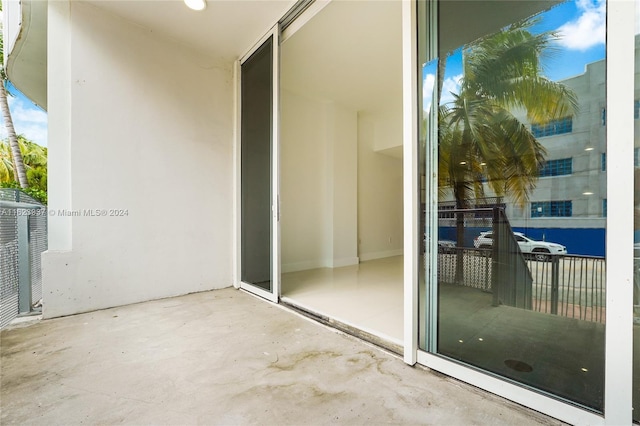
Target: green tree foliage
(35,163)
(482,138)
(19,169)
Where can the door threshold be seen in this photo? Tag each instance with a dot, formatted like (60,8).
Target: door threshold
(384,342)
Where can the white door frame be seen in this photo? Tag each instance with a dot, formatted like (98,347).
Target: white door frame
(410,178)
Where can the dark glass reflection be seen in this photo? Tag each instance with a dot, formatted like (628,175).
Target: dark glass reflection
(256,147)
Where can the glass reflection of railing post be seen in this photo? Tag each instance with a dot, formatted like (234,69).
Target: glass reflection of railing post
(555,283)
(495,252)
(636,287)
(511,279)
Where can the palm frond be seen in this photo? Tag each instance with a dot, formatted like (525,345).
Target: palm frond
(481,139)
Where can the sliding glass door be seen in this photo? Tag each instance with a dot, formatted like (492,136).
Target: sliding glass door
(513,132)
(259,242)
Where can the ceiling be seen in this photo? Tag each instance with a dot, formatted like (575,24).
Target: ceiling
(229,27)
(462,21)
(27,64)
(350,53)
(225,29)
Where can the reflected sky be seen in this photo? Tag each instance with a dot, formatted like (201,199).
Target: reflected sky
(580,25)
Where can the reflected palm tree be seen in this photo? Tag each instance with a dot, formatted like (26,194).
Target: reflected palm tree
(484,137)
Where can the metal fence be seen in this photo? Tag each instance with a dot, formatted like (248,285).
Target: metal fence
(477,265)
(23,238)
(570,285)
(501,269)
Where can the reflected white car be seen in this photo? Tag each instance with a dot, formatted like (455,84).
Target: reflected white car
(540,250)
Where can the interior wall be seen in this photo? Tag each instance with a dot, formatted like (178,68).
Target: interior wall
(342,184)
(380,205)
(318,188)
(148,140)
(302,182)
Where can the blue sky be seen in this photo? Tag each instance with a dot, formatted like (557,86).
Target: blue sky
(28,119)
(580,25)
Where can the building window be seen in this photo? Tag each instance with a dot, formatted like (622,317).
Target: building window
(560,167)
(636,157)
(603,162)
(604,207)
(604,116)
(554,127)
(636,109)
(551,208)
(442,210)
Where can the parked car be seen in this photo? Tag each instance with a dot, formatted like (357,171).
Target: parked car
(539,250)
(446,246)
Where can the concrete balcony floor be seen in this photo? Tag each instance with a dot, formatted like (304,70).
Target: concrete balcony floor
(222,357)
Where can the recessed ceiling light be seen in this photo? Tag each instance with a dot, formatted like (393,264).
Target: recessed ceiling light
(462,163)
(196,4)
(589,148)
(587,193)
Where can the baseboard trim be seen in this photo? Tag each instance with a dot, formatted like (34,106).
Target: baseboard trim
(302,266)
(346,261)
(315,264)
(380,254)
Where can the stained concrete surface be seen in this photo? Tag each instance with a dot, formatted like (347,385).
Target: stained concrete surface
(222,357)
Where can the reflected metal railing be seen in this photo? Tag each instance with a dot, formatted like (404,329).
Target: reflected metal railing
(503,267)
(572,286)
(512,282)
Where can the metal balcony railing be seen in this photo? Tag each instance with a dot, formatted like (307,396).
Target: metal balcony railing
(23,238)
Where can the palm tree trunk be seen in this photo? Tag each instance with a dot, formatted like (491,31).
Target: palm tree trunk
(442,66)
(18,164)
(461,203)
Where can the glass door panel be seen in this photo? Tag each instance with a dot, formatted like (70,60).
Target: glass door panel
(518,228)
(636,234)
(258,213)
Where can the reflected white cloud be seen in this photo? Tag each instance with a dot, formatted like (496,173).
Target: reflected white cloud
(427,91)
(28,120)
(450,86)
(588,30)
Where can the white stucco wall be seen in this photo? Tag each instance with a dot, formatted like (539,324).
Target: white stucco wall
(342,184)
(341,199)
(319,182)
(142,125)
(380,205)
(303,191)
